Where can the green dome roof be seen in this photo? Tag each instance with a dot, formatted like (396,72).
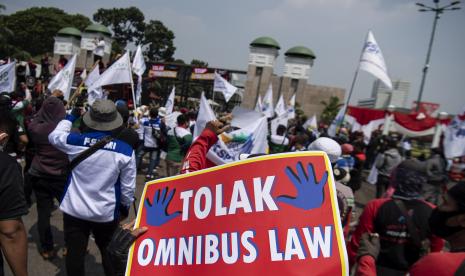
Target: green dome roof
(300,51)
(69,31)
(265,41)
(97,28)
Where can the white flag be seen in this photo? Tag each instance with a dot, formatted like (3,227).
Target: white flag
(171,119)
(311,123)
(454,137)
(223,86)
(259,105)
(291,108)
(63,80)
(336,122)
(280,120)
(170,102)
(8,77)
(248,140)
(205,115)
(83,74)
(96,93)
(119,72)
(93,76)
(243,117)
(267,107)
(280,108)
(372,61)
(138,67)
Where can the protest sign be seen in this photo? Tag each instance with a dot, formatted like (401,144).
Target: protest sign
(274,214)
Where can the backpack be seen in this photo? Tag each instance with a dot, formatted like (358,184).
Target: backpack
(160,135)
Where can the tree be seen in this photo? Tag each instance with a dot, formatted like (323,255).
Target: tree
(178,61)
(5,35)
(331,109)
(127,24)
(159,41)
(35,28)
(199,63)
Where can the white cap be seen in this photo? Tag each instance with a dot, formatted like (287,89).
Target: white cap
(328,145)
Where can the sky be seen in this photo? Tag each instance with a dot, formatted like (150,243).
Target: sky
(220,31)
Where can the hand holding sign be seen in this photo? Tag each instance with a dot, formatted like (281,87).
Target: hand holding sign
(310,193)
(157,213)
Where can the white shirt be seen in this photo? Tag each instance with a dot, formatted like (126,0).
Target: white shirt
(149,126)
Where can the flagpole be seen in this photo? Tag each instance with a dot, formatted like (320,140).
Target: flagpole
(78,89)
(350,93)
(133,95)
(132,89)
(132,83)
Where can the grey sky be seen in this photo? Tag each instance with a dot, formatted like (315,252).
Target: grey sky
(219,32)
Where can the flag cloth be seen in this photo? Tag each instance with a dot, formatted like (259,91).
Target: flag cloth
(372,60)
(171,119)
(267,105)
(138,67)
(96,93)
(454,137)
(248,140)
(8,77)
(119,72)
(83,74)
(223,86)
(93,76)
(205,115)
(170,102)
(280,108)
(259,105)
(63,80)
(279,120)
(336,122)
(311,123)
(243,117)
(291,108)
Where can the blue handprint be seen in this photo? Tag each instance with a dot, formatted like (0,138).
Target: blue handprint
(157,213)
(310,193)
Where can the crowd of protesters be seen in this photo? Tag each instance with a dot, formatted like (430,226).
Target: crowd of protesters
(87,159)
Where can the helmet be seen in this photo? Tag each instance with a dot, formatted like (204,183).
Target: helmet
(347,148)
(328,145)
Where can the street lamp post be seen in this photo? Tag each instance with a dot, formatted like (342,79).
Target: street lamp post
(437,12)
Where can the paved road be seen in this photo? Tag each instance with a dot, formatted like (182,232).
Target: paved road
(39,267)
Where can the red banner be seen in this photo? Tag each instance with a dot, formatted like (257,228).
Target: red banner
(425,107)
(271,215)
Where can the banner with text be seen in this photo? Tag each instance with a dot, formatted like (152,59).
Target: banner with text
(274,214)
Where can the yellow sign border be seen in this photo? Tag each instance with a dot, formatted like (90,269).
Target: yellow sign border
(336,216)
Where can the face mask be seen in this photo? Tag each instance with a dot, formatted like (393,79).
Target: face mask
(437,223)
